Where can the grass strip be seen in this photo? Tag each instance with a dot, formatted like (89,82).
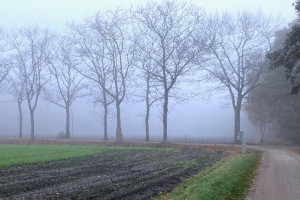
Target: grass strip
(11,154)
(227,179)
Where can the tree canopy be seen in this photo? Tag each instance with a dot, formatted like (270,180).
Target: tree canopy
(289,55)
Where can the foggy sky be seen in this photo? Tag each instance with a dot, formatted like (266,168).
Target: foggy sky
(195,118)
(56,13)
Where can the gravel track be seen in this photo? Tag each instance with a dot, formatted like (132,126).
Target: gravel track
(279,175)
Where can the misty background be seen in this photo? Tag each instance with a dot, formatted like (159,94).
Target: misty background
(201,117)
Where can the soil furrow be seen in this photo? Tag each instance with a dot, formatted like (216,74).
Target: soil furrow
(129,174)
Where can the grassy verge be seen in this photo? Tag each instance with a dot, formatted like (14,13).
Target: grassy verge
(228,179)
(21,154)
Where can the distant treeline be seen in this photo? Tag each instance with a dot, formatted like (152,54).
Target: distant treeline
(151,51)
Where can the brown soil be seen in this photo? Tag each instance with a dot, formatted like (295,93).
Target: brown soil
(209,147)
(127,174)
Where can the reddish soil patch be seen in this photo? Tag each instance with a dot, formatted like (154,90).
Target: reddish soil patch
(208,147)
(297,151)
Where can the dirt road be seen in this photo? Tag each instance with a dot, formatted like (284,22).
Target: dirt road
(279,175)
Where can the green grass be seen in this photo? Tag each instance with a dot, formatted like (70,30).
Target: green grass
(21,154)
(228,179)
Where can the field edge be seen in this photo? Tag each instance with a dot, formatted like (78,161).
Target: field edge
(229,178)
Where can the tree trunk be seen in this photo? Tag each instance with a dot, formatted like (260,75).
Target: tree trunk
(20,120)
(147,107)
(119,137)
(147,122)
(105,120)
(68,122)
(237,122)
(267,128)
(105,108)
(262,131)
(32,124)
(165,117)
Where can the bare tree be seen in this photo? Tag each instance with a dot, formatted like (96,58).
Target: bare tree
(68,82)
(167,33)
(146,89)
(239,45)
(121,53)
(107,55)
(16,83)
(5,64)
(95,66)
(31,46)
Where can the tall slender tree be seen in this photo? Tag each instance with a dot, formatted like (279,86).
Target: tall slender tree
(121,53)
(68,82)
(238,46)
(108,55)
(146,89)
(167,36)
(95,67)
(16,82)
(31,46)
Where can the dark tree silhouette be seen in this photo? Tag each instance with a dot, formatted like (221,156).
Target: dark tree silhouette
(289,55)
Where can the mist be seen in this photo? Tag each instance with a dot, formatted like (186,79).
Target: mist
(196,118)
(149,99)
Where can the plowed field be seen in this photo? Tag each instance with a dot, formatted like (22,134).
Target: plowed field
(115,174)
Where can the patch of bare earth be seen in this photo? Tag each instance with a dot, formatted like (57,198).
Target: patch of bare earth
(126,174)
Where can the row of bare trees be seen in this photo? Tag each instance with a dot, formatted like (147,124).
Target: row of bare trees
(158,45)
